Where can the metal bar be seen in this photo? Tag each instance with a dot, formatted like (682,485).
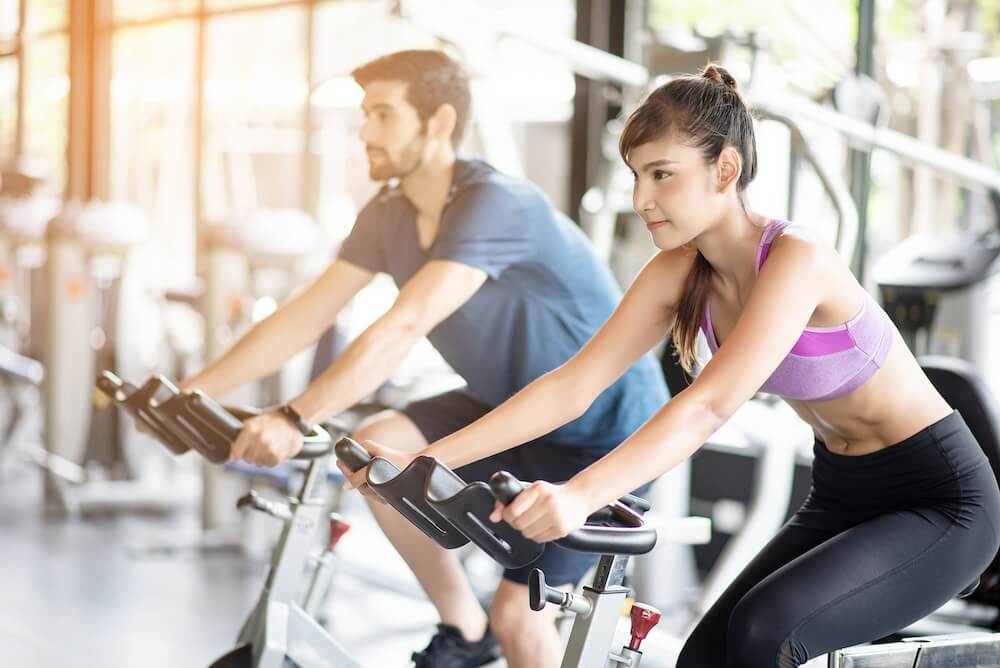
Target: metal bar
(311,646)
(961,649)
(19,51)
(100,103)
(580,124)
(202,14)
(49,32)
(210,478)
(587,60)
(864,47)
(591,636)
(860,161)
(309,189)
(794,161)
(598,21)
(847,227)
(970,173)
(451,19)
(199,138)
(80,149)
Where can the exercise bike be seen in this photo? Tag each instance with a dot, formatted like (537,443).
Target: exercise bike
(281,631)
(452,513)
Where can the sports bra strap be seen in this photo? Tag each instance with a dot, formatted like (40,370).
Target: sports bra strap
(771,232)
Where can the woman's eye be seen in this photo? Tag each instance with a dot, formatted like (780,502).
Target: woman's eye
(659,174)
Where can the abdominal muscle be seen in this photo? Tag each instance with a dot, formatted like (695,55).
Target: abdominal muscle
(895,403)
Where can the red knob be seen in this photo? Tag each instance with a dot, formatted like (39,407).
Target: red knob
(338,527)
(644,618)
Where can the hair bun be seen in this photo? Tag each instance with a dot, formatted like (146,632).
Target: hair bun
(720,75)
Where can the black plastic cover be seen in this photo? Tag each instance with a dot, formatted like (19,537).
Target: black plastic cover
(192,420)
(404,491)
(136,402)
(468,507)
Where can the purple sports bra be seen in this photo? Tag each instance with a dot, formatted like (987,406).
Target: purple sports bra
(826,362)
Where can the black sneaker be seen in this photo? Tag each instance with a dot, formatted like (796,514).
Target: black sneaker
(449,649)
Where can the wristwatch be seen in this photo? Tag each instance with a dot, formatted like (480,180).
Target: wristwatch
(293,416)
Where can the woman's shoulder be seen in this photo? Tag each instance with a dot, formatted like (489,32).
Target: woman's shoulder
(801,240)
(665,274)
(803,231)
(802,250)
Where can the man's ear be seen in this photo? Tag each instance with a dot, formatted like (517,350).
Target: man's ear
(442,124)
(730,166)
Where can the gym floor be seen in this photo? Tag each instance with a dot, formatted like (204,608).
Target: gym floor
(71,596)
(73,593)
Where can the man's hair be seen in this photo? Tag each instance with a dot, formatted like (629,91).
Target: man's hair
(432,79)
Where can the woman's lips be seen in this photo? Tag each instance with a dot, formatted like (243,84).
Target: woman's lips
(656,223)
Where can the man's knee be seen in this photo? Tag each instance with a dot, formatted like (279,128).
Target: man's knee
(510,623)
(512,620)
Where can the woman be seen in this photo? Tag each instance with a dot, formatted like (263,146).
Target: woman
(904,511)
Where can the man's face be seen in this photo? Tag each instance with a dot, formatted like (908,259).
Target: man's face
(392,132)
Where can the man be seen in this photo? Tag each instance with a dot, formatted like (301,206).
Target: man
(503,285)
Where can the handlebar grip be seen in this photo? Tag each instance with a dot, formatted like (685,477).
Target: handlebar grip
(636,503)
(137,400)
(110,384)
(225,422)
(120,390)
(222,421)
(352,454)
(505,487)
(623,530)
(316,444)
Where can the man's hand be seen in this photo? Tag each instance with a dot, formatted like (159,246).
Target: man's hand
(266,440)
(544,512)
(357,479)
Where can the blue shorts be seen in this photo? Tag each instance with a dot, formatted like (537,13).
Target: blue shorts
(438,416)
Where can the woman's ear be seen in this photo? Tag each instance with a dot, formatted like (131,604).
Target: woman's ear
(730,165)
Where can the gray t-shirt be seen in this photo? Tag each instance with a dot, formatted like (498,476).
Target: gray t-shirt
(546,295)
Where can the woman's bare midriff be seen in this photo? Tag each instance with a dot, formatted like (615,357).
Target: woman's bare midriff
(895,403)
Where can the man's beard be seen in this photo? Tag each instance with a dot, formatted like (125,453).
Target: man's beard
(408,162)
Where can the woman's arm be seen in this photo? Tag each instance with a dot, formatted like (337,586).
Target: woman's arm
(795,280)
(790,287)
(642,318)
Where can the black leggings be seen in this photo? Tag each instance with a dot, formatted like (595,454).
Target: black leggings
(883,540)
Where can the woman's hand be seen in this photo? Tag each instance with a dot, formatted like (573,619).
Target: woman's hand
(544,512)
(357,479)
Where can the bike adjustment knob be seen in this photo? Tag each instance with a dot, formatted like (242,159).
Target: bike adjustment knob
(644,618)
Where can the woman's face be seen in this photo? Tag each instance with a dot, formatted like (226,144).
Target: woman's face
(674,191)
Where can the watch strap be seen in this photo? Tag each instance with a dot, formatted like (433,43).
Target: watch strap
(297,421)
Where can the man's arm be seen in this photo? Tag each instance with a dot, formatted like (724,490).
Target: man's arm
(297,323)
(439,289)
